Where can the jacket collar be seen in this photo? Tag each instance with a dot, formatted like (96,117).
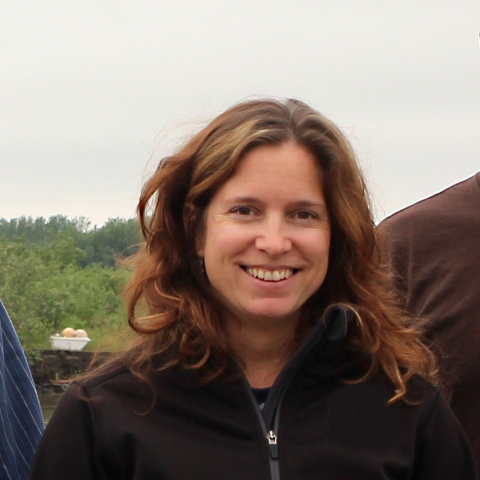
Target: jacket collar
(327,335)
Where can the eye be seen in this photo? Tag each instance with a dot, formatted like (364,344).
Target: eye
(306,215)
(242,210)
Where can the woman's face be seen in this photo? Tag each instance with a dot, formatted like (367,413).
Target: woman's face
(267,235)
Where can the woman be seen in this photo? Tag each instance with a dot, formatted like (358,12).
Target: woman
(268,345)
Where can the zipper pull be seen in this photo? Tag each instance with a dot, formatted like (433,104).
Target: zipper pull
(272,444)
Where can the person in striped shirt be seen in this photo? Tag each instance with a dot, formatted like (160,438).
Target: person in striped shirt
(21,422)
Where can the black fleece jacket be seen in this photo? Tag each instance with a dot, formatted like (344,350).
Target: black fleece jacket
(313,426)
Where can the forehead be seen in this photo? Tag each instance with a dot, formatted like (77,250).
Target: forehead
(286,171)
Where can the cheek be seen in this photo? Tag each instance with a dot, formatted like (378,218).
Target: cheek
(225,239)
(318,246)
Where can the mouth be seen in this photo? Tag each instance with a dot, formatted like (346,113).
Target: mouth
(270,275)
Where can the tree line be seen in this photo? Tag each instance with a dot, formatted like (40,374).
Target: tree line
(60,272)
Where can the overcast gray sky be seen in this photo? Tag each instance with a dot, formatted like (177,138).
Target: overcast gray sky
(88,89)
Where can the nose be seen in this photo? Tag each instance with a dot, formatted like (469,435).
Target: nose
(273,238)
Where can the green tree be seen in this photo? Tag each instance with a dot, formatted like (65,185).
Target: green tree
(116,238)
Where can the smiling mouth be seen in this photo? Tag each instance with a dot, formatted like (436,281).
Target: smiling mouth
(270,275)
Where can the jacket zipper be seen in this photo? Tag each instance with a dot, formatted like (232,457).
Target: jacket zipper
(273,449)
(271,437)
(272,444)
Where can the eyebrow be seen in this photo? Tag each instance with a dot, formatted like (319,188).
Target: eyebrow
(297,204)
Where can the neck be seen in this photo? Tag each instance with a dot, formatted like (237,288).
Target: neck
(263,346)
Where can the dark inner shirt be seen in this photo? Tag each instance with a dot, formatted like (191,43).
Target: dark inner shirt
(260,395)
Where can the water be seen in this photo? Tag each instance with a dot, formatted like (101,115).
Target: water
(48,402)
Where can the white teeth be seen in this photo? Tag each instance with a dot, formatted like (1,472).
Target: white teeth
(270,275)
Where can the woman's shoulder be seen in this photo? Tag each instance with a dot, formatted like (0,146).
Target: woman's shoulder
(420,399)
(117,380)
(421,395)
(120,379)
(420,391)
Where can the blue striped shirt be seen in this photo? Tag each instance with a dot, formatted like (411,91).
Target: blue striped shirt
(21,422)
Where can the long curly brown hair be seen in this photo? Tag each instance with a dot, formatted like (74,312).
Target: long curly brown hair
(170,304)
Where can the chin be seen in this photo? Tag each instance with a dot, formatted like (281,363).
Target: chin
(275,313)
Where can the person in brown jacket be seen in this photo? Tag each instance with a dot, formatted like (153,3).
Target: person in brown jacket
(434,247)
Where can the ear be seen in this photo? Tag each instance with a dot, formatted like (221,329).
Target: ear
(200,243)
(200,238)
(188,219)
